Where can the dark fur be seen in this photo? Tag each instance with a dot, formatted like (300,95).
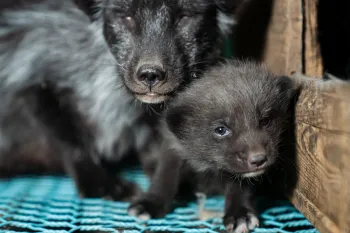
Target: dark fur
(253,105)
(68,97)
(179,38)
(64,104)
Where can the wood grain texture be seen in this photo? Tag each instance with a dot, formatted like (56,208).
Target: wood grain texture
(282,33)
(312,55)
(271,31)
(322,190)
(283,50)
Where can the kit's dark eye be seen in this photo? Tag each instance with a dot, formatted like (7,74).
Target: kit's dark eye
(265,122)
(129,22)
(221,131)
(183,21)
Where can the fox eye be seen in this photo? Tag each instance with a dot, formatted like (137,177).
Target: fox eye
(221,131)
(265,122)
(129,22)
(183,21)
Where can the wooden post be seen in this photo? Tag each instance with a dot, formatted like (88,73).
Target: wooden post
(283,51)
(271,31)
(312,54)
(282,33)
(292,39)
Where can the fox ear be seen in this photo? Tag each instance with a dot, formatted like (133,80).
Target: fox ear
(175,118)
(285,85)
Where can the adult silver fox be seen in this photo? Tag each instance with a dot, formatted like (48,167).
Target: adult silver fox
(69,82)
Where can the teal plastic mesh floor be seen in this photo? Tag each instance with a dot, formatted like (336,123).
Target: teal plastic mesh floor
(51,204)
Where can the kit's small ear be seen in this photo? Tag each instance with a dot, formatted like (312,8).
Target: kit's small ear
(91,8)
(285,85)
(175,118)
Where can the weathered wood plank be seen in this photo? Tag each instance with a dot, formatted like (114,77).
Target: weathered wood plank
(283,50)
(322,190)
(312,55)
(271,31)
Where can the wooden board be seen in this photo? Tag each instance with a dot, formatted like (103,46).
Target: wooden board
(283,51)
(322,190)
(292,39)
(271,31)
(312,55)
(282,33)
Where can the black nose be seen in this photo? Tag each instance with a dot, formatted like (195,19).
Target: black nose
(150,75)
(257,160)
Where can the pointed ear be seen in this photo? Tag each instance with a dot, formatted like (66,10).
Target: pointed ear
(176,119)
(285,85)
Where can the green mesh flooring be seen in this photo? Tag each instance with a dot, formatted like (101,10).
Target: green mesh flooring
(50,204)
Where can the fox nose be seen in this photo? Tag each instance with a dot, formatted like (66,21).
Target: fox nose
(257,160)
(150,76)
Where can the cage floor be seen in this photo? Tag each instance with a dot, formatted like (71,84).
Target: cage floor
(51,204)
